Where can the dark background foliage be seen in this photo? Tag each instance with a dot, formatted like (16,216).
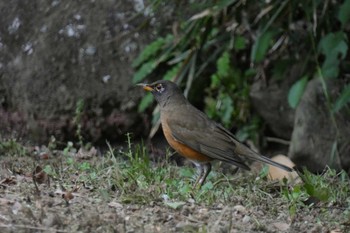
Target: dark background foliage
(225,52)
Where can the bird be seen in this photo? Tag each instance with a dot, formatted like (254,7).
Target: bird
(192,134)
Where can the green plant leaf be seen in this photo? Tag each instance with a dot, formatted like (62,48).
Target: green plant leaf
(186,172)
(224,3)
(151,50)
(175,205)
(210,107)
(261,46)
(323,194)
(334,47)
(208,186)
(310,189)
(48,170)
(180,57)
(173,72)
(242,134)
(250,72)
(343,99)
(320,193)
(145,70)
(227,110)
(292,210)
(280,67)
(334,44)
(85,166)
(296,91)
(239,43)
(343,14)
(223,65)
(296,192)
(264,172)
(215,81)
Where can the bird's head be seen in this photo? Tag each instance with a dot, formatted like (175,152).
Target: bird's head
(163,91)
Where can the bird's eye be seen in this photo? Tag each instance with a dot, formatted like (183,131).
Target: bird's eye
(160,88)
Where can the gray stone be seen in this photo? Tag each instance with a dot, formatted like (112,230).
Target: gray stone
(270,100)
(315,133)
(55,53)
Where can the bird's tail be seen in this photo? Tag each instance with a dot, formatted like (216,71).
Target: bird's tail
(245,151)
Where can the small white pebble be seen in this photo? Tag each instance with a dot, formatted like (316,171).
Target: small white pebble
(203,211)
(191,200)
(90,50)
(16,23)
(239,209)
(106,78)
(246,219)
(70,31)
(165,197)
(77,17)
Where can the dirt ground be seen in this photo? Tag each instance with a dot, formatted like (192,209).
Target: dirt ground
(31,201)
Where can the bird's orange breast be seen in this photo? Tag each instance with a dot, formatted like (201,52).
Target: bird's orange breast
(183,149)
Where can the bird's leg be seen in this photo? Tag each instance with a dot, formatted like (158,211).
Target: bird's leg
(200,172)
(204,169)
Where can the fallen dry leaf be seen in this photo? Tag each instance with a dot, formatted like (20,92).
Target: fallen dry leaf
(41,152)
(67,196)
(86,154)
(281,226)
(16,207)
(44,156)
(40,176)
(336,231)
(115,204)
(239,210)
(4,201)
(9,181)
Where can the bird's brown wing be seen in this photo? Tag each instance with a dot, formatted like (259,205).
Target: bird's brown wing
(210,138)
(197,131)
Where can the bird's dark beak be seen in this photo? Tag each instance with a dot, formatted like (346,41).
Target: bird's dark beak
(145,86)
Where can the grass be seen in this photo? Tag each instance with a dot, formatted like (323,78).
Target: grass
(131,177)
(327,190)
(137,179)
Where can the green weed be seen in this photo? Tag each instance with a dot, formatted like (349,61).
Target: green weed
(328,189)
(78,120)
(12,147)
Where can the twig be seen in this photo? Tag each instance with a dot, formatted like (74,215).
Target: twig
(329,207)
(35,184)
(32,227)
(217,222)
(191,219)
(278,140)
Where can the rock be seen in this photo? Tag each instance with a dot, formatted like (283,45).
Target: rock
(186,227)
(51,220)
(239,209)
(246,219)
(315,135)
(281,226)
(53,55)
(270,101)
